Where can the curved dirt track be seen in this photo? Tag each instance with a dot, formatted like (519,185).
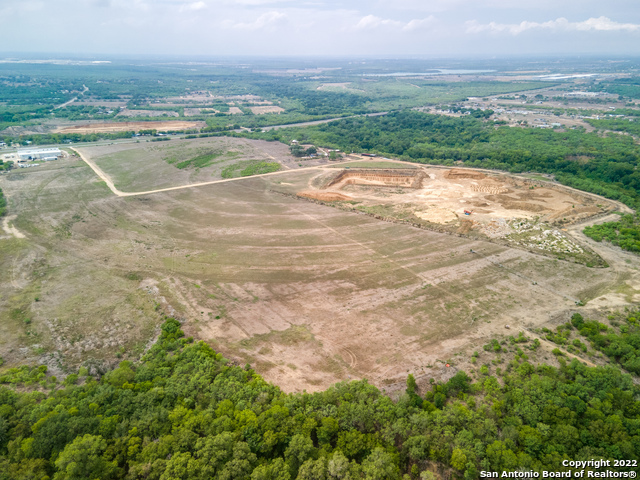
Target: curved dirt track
(10,229)
(120,193)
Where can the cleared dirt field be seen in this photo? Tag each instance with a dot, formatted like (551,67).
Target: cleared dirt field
(306,293)
(487,196)
(147,113)
(517,211)
(130,126)
(266,109)
(344,87)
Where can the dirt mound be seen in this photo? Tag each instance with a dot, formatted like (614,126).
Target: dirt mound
(489,189)
(465,226)
(130,127)
(458,173)
(324,196)
(408,178)
(437,215)
(509,204)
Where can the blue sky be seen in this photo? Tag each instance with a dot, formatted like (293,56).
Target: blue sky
(322,27)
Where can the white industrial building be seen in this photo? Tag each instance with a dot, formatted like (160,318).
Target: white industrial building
(45,154)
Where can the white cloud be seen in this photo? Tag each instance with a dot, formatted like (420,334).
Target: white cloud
(605,24)
(266,20)
(371,22)
(417,24)
(592,24)
(193,7)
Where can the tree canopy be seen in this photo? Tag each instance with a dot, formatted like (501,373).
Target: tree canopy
(184,412)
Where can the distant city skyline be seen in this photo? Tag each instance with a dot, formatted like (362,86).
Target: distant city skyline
(322,27)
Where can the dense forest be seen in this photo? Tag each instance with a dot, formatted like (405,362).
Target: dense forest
(184,412)
(630,126)
(624,233)
(605,165)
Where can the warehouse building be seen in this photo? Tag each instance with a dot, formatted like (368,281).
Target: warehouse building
(45,154)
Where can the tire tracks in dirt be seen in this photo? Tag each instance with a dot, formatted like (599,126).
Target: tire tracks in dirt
(10,229)
(399,266)
(343,351)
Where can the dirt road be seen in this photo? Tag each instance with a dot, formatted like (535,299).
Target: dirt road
(120,193)
(10,229)
(86,89)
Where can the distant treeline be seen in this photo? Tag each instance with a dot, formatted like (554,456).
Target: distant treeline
(57,138)
(624,87)
(605,165)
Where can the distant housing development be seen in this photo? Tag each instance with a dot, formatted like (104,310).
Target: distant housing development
(45,154)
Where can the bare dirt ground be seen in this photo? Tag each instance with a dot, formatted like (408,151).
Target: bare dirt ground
(191,112)
(261,110)
(147,113)
(130,126)
(344,86)
(10,229)
(101,103)
(306,293)
(522,212)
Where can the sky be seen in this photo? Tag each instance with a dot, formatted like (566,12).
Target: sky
(428,28)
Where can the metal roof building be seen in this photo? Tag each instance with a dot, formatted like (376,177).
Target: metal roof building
(39,154)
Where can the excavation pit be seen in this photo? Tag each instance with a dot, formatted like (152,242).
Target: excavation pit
(404,178)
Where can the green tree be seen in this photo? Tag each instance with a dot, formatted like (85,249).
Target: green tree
(296,150)
(412,386)
(181,466)
(313,469)
(380,466)
(275,470)
(338,466)
(299,450)
(83,459)
(458,459)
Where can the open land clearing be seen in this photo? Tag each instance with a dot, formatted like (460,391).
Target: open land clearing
(147,113)
(307,293)
(517,211)
(171,125)
(263,109)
